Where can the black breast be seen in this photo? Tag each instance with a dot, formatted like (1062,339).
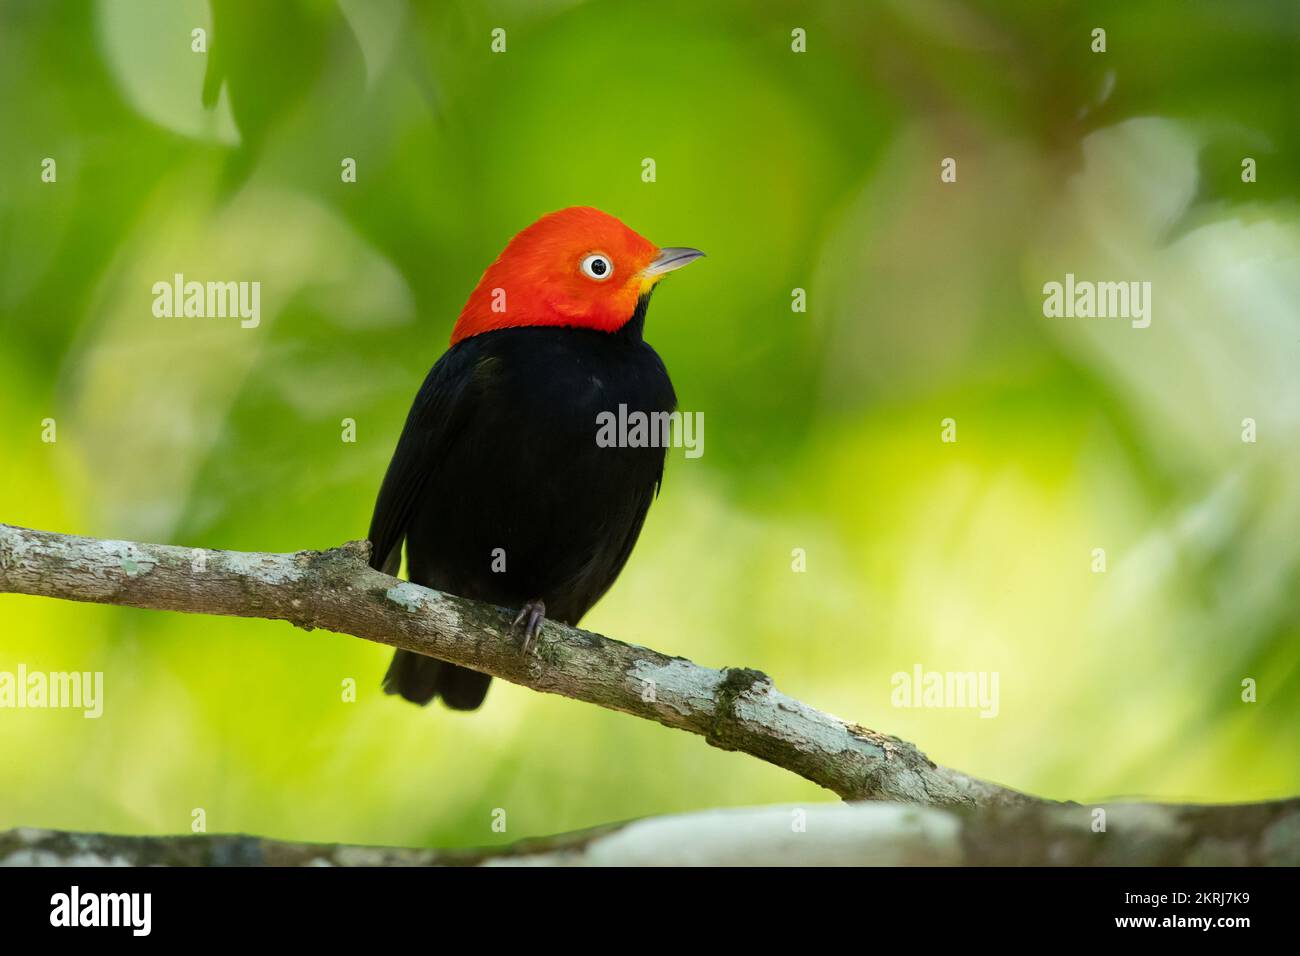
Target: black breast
(523,503)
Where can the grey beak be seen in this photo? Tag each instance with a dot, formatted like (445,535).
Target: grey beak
(674,257)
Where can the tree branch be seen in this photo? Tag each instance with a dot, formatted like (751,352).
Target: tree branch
(855,834)
(336,590)
(959,820)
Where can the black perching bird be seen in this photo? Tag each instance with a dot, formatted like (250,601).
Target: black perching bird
(498,486)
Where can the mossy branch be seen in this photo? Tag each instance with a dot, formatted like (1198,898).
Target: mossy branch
(336,590)
(920,813)
(828,834)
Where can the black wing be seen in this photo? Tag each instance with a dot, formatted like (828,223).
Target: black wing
(441,408)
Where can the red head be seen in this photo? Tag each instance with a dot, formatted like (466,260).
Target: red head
(577,267)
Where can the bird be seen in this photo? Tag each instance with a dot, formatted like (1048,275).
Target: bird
(498,487)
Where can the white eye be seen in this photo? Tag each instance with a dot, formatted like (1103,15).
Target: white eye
(598,266)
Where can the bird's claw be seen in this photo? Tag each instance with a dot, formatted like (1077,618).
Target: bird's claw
(528,624)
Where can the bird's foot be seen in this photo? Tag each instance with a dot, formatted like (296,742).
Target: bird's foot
(528,624)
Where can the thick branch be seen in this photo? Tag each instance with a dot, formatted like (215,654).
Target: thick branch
(336,590)
(854,834)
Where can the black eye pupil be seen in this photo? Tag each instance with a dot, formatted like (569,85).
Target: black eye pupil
(598,267)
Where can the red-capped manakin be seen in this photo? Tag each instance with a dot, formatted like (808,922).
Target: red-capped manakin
(498,486)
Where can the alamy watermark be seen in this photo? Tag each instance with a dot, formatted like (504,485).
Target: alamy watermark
(637,429)
(208,300)
(1084,299)
(955,690)
(59,690)
(133,911)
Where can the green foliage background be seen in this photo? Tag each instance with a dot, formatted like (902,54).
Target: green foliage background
(815,170)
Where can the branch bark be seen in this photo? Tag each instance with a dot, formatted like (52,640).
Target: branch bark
(852,834)
(920,814)
(734,708)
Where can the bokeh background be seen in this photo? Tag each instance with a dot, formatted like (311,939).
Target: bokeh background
(816,170)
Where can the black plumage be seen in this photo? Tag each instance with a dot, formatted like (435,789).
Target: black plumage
(500,451)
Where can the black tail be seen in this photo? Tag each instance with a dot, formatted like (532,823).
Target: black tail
(420,679)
